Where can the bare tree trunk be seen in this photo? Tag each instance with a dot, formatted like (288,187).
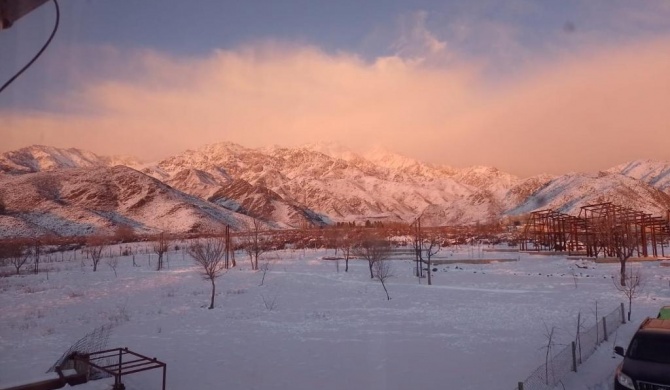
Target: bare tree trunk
(429,272)
(388,298)
(623,272)
(211,303)
(370,265)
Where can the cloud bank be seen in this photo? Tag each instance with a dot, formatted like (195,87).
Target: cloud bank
(572,112)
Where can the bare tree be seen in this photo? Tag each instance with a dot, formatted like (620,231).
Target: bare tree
(94,246)
(16,252)
(418,253)
(332,237)
(373,250)
(209,255)
(430,246)
(632,285)
(265,267)
(254,242)
(625,243)
(160,247)
(112,263)
(382,271)
(346,244)
(37,251)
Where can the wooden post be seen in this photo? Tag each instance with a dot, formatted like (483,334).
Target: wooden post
(520,385)
(623,316)
(574,357)
(605,328)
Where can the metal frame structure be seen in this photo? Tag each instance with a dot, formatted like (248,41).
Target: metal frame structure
(100,360)
(550,230)
(602,228)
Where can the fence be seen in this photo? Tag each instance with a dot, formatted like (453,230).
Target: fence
(549,374)
(94,341)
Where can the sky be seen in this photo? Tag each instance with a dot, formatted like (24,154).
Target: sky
(526,86)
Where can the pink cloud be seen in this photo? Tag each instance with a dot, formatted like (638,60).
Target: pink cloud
(570,113)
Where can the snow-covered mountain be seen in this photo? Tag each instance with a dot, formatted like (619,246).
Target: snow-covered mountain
(82,201)
(324,183)
(655,173)
(260,202)
(568,193)
(353,187)
(39,158)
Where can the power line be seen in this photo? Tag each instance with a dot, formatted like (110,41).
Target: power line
(39,53)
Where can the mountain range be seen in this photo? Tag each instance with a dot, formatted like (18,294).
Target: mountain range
(48,190)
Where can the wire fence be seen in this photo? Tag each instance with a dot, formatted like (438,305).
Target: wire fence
(96,340)
(548,375)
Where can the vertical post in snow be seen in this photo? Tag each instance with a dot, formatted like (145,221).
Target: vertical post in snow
(520,386)
(574,357)
(605,328)
(623,316)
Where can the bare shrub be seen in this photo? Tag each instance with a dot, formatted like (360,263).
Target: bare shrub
(270,302)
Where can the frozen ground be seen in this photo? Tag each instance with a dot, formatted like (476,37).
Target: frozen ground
(477,327)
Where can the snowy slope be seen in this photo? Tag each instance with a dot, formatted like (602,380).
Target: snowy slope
(568,193)
(655,173)
(265,204)
(39,158)
(85,201)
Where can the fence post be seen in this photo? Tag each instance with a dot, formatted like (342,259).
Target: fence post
(520,385)
(605,328)
(574,357)
(623,315)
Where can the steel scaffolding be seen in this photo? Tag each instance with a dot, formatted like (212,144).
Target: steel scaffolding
(599,229)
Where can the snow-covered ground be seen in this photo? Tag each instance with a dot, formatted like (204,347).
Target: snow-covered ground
(480,326)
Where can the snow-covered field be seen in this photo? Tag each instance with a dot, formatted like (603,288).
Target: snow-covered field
(480,326)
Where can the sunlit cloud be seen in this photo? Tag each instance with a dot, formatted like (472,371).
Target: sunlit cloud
(564,113)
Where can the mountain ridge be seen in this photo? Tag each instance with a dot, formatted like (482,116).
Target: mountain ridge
(319,184)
